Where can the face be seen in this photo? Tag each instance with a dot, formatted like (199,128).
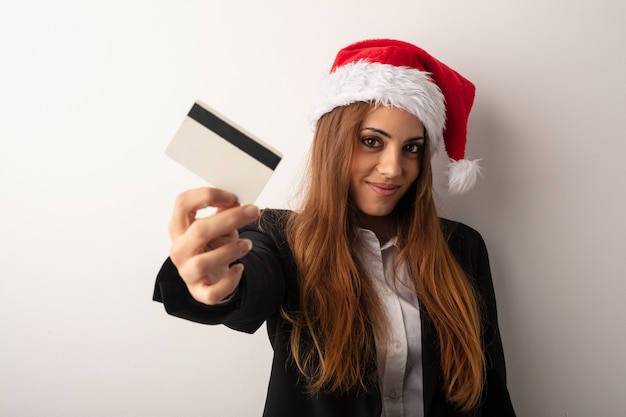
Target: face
(386,160)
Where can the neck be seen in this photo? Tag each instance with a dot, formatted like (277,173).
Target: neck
(384,227)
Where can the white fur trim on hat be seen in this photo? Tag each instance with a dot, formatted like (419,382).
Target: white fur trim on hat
(406,88)
(462,175)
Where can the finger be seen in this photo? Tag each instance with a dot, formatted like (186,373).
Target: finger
(223,288)
(189,202)
(198,267)
(222,208)
(221,241)
(206,230)
(225,223)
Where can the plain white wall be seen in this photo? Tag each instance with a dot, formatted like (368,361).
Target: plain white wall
(92,92)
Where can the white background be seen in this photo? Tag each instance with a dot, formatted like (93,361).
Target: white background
(91,94)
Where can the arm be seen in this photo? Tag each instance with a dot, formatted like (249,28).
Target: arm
(497,401)
(207,263)
(471,251)
(259,294)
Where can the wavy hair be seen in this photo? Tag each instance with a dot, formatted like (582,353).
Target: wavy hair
(340,317)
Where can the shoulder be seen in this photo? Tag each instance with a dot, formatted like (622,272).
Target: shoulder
(272,222)
(467,246)
(274,217)
(269,232)
(460,234)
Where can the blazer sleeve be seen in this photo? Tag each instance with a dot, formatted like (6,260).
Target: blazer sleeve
(471,251)
(259,295)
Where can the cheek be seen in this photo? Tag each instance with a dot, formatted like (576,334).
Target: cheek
(413,169)
(360,166)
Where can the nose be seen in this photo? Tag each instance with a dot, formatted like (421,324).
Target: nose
(389,163)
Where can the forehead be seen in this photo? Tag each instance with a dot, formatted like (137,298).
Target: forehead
(394,121)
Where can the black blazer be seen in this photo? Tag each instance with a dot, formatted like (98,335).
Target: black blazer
(271,281)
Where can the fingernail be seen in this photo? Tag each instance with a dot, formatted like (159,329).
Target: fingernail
(251,211)
(245,245)
(238,268)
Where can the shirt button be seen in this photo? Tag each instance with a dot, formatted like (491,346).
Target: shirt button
(397,344)
(393,395)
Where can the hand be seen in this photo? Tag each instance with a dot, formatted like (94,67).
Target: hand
(203,248)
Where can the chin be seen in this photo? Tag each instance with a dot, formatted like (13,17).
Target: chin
(377,211)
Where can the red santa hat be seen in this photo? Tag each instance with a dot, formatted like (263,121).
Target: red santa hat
(398,74)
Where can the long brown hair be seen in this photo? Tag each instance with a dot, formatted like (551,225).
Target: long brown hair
(340,315)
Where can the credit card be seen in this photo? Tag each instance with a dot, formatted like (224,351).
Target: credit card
(222,153)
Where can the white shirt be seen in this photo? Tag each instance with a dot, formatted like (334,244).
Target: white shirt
(400,370)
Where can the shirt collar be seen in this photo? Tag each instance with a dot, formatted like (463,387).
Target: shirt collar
(369,239)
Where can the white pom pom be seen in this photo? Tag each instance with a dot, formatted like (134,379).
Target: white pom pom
(462,175)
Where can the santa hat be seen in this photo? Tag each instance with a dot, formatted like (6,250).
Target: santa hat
(398,74)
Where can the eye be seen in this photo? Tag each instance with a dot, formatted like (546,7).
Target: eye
(371,142)
(416,148)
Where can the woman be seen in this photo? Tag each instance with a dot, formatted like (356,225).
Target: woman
(374,305)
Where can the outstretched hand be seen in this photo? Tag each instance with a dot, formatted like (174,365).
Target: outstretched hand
(204,248)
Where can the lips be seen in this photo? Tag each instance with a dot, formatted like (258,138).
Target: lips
(383,188)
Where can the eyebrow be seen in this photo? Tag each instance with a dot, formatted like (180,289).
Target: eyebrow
(388,136)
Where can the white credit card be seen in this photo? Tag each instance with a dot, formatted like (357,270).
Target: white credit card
(222,153)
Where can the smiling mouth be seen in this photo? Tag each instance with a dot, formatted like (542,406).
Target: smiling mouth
(383,189)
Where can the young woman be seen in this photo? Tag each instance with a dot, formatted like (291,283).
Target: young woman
(374,305)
